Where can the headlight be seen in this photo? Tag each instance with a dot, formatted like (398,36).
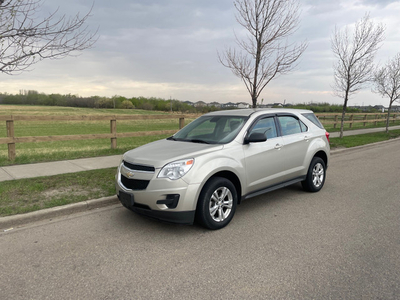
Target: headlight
(176,169)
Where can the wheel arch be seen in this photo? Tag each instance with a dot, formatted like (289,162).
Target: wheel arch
(321,154)
(232,177)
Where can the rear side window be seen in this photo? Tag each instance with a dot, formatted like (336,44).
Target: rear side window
(289,125)
(313,119)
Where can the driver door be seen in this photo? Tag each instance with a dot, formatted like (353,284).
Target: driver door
(263,160)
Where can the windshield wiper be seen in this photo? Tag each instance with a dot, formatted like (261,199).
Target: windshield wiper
(172,138)
(198,141)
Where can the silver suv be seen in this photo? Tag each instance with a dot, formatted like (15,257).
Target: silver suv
(203,171)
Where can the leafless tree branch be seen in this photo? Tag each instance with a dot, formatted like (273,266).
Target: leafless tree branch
(355,58)
(25,39)
(387,83)
(265,53)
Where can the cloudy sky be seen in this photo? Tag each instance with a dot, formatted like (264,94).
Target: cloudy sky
(168,48)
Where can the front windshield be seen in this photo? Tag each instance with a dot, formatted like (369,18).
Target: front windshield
(211,130)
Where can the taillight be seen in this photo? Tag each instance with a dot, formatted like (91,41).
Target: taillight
(327,136)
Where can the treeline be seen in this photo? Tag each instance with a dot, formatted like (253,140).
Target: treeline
(152,103)
(119,102)
(329,108)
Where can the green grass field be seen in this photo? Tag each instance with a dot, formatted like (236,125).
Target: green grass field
(53,151)
(61,150)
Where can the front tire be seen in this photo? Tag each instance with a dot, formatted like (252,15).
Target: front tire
(316,176)
(217,203)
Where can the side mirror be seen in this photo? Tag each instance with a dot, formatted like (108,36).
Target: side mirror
(255,137)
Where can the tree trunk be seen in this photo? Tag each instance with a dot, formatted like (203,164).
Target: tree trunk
(388,116)
(254,100)
(343,114)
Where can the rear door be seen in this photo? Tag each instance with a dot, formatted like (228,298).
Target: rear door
(296,139)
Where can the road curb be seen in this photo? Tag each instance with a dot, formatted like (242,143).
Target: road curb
(49,213)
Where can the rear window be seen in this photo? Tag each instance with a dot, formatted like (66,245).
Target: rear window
(313,119)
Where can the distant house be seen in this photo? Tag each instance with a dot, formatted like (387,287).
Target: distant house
(216,104)
(229,104)
(242,105)
(395,108)
(380,107)
(189,103)
(200,104)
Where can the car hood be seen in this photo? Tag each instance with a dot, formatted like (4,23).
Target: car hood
(161,152)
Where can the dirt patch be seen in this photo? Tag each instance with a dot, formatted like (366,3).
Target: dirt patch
(70,191)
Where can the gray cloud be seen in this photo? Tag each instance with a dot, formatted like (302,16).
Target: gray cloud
(381,3)
(169,48)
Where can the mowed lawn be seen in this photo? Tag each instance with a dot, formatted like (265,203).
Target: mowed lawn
(61,150)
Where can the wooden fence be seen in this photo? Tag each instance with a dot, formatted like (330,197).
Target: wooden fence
(352,118)
(11,139)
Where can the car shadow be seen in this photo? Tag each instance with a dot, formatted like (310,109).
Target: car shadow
(270,199)
(131,221)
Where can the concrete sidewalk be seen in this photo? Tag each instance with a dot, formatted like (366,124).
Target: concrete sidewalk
(86,164)
(362,131)
(58,167)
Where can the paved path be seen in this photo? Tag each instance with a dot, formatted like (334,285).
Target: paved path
(85,164)
(58,167)
(363,131)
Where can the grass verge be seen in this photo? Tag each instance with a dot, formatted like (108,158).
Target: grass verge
(27,195)
(363,139)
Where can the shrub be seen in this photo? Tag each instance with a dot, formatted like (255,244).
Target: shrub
(127,104)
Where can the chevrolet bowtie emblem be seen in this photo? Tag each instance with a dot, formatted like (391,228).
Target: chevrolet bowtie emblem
(129,174)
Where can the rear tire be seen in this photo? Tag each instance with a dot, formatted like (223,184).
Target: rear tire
(217,203)
(316,176)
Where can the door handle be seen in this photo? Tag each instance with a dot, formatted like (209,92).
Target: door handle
(278,146)
(306,138)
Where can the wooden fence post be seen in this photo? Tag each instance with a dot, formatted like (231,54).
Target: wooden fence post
(113,127)
(336,120)
(365,118)
(351,119)
(181,123)
(10,133)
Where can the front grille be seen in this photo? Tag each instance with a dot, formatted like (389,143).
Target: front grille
(136,167)
(134,184)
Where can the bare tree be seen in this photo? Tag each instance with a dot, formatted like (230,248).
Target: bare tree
(354,67)
(387,83)
(26,38)
(265,53)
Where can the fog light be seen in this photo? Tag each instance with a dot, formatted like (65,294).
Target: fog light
(171,201)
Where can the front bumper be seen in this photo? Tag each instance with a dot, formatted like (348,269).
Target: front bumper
(168,200)
(179,217)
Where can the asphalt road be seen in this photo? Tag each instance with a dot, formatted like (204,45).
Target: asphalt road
(340,243)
